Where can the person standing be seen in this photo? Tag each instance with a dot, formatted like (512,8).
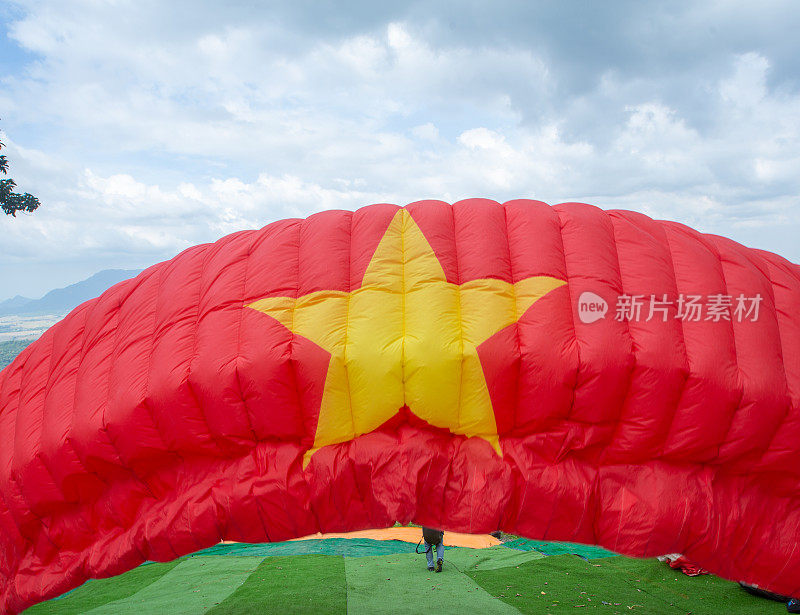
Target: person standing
(434,539)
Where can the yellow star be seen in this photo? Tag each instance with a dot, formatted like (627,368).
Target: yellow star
(406,337)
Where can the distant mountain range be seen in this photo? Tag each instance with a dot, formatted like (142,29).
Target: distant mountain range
(63,300)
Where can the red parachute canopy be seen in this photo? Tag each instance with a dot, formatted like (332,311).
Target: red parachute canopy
(563,372)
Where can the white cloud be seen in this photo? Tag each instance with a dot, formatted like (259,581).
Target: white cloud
(148,129)
(746,88)
(427,132)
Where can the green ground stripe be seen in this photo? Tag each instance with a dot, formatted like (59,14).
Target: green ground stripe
(100,591)
(559,548)
(193,586)
(568,582)
(489,559)
(402,584)
(616,586)
(475,580)
(351,547)
(308,584)
(702,595)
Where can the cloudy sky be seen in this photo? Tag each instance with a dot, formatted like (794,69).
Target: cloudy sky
(146,127)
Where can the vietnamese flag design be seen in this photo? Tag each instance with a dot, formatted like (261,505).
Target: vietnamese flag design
(406,338)
(425,363)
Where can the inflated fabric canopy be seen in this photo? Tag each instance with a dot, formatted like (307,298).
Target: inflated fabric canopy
(473,367)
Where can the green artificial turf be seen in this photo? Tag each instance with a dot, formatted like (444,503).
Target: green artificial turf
(489,559)
(100,591)
(193,586)
(402,584)
(559,548)
(495,580)
(563,583)
(293,584)
(350,547)
(702,595)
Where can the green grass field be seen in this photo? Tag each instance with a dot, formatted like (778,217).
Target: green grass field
(347,576)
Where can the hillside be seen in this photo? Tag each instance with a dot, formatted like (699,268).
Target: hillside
(23,320)
(9,350)
(62,300)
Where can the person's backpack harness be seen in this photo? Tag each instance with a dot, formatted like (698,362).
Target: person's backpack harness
(431,537)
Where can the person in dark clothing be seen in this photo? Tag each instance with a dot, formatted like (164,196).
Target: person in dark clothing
(434,538)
